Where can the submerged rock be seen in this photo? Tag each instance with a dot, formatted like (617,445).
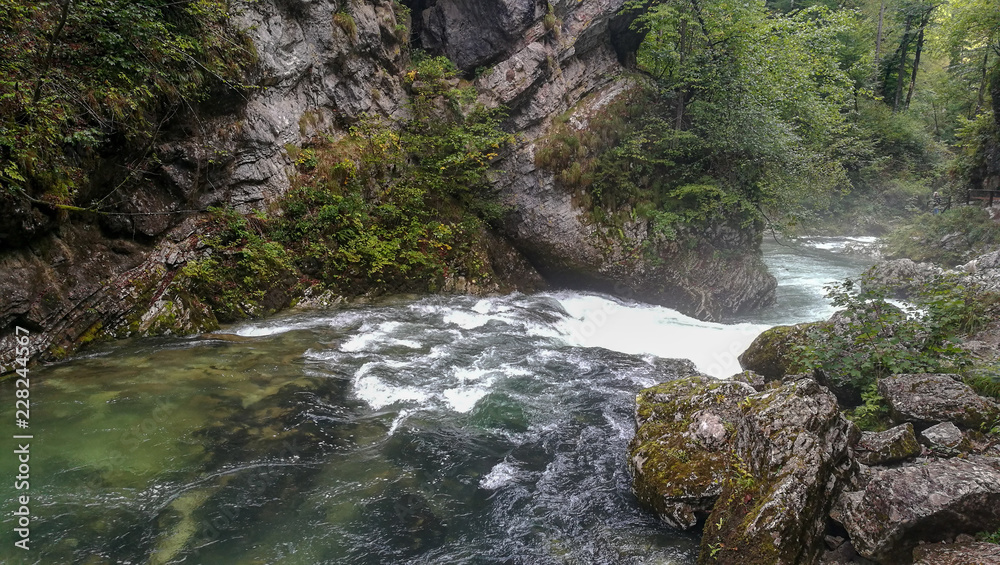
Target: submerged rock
(791,453)
(898,508)
(925,399)
(680,454)
(884,448)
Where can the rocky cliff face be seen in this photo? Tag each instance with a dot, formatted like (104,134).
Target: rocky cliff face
(77,278)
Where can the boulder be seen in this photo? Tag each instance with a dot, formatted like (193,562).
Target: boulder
(902,277)
(679,456)
(969,553)
(791,455)
(901,507)
(925,399)
(884,448)
(771,353)
(945,438)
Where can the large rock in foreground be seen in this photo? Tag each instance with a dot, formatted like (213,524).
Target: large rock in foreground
(792,452)
(680,454)
(926,399)
(898,508)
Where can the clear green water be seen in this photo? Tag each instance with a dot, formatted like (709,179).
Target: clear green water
(437,430)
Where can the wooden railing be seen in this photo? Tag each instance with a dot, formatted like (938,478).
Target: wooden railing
(984,195)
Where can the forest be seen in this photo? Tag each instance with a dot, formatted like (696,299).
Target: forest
(814,111)
(782,105)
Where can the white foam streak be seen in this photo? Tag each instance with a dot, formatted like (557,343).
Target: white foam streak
(378,394)
(502,474)
(641,329)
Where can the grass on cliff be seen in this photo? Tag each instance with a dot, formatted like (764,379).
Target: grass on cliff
(949,238)
(396,206)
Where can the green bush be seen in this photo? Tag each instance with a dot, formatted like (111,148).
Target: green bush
(964,230)
(872,339)
(88,78)
(245,265)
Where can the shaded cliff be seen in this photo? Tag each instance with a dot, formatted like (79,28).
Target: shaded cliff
(320,67)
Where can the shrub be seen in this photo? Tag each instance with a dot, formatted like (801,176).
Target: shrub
(871,338)
(950,238)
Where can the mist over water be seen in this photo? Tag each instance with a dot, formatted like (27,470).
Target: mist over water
(444,429)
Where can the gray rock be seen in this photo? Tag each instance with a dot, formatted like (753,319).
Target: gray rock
(476,32)
(925,399)
(901,276)
(680,454)
(901,507)
(891,446)
(968,553)
(945,438)
(756,380)
(987,262)
(792,454)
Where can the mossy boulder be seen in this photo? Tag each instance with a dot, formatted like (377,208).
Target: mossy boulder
(790,458)
(771,354)
(680,455)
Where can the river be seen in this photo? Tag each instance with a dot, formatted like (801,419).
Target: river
(440,429)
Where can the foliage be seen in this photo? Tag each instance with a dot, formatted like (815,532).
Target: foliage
(990,537)
(949,238)
(81,79)
(985,381)
(872,338)
(873,414)
(245,265)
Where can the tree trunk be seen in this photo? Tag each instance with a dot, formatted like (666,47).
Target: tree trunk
(982,86)
(878,38)
(904,46)
(37,94)
(916,55)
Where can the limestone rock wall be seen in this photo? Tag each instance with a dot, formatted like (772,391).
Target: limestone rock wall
(315,76)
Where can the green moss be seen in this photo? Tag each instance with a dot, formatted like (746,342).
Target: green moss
(346,22)
(773,353)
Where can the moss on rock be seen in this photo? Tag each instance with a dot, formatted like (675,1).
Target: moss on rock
(771,354)
(680,454)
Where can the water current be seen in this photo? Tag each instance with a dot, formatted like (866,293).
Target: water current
(441,429)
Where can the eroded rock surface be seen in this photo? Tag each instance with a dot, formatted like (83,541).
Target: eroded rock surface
(945,438)
(900,507)
(680,454)
(792,453)
(925,399)
(884,448)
